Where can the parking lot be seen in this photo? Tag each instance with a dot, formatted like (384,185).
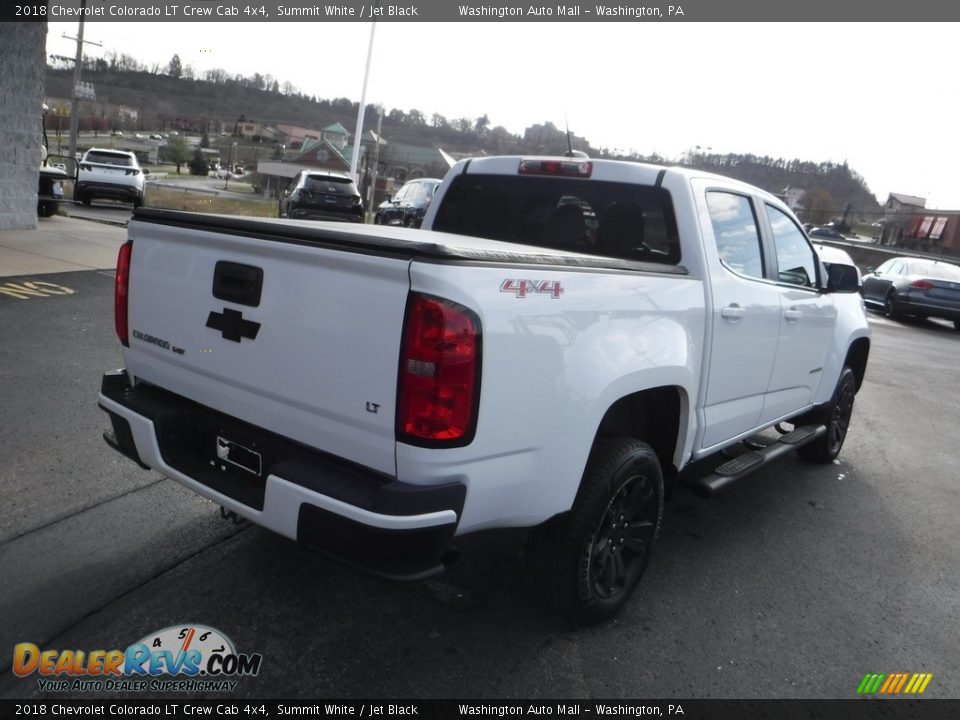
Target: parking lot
(794,583)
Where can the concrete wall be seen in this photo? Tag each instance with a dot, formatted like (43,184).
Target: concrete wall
(23,63)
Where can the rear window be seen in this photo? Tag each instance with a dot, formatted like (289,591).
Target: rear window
(330,185)
(108,158)
(596,217)
(935,271)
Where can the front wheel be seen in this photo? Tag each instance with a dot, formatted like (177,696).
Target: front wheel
(836,416)
(890,308)
(591,559)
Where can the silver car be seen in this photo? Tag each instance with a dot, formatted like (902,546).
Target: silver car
(915,286)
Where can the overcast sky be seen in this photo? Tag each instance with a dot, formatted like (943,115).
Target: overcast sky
(880,96)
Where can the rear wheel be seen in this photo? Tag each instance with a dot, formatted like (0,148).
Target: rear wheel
(836,416)
(591,559)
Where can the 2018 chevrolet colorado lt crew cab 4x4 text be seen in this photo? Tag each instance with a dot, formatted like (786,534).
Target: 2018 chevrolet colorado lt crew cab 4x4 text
(559,343)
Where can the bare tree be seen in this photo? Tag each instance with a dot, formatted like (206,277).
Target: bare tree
(175,67)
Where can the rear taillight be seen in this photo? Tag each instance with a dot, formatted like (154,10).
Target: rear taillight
(921,285)
(439,385)
(121,289)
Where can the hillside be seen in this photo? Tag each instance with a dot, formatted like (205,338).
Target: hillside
(216,102)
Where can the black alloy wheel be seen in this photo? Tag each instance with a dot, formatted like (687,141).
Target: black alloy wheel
(590,560)
(619,548)
(836,416)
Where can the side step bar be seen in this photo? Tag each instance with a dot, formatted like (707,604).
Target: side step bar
(746,463)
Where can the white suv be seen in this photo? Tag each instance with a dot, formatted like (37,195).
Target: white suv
(106,173)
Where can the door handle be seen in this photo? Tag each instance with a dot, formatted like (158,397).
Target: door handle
(792,315)
(732,312)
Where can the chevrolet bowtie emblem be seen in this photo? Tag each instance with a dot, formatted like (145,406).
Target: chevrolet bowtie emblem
(232,325)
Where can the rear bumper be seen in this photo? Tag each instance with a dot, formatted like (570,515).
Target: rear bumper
(355,514)
(301,213)
(108,190)
(928,308)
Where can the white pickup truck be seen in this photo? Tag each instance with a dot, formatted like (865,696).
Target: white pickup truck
(563,339)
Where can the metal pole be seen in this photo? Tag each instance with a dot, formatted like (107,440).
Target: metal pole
(75,102)
(363,106)
(376,166)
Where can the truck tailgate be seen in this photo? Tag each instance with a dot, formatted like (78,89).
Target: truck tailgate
(299,338)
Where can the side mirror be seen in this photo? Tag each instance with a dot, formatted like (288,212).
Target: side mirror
(870,268)
(69,166)
(387,198)
(843,278)
(145,171)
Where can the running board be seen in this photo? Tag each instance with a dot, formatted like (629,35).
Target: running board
(746,463)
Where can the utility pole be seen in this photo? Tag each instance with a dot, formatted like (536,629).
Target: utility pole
(78,89)
(376,164)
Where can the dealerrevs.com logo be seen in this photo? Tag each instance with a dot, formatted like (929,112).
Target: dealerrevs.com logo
(180,658)
(894,683)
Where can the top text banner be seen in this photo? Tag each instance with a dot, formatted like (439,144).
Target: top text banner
(465,11)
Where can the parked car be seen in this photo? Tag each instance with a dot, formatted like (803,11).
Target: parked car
(915,286)
(825,233)
(106,173)
(321,195)
(409,205)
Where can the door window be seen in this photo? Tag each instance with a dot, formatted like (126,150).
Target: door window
(796,262)
(736,234)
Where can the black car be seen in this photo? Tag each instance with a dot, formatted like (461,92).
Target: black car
(321,195)
(915,286)
(409,205)
(825,233)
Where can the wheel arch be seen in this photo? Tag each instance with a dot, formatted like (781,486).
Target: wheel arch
(856,358)
(653,416)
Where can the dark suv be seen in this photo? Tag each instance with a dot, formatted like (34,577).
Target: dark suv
(321,195)
(409,205)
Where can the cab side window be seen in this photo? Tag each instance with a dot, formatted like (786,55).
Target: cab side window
(735,230)
(796,262)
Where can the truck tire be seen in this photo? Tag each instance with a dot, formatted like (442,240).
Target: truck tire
(836,416)
(590,560)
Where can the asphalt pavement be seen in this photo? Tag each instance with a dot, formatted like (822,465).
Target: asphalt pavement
(794,583)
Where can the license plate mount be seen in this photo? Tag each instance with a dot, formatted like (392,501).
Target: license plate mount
(240,456)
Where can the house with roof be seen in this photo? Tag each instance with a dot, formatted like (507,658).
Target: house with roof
(793,198)
(898,211)
(294,136)
(336,134)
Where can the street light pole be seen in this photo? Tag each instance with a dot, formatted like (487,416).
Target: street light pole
(363,105)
